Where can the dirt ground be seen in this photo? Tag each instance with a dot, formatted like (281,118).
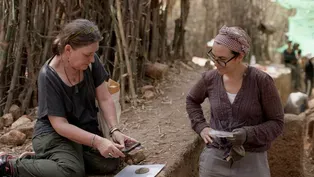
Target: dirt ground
(163,128)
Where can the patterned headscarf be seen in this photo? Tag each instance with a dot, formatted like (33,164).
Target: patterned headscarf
(234,38)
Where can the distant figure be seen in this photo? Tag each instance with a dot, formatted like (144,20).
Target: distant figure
(289,56)
(290,60)
(309,74)
(297,50)
(297,103)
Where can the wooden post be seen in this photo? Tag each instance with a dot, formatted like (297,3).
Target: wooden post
(126,55)
(50,30)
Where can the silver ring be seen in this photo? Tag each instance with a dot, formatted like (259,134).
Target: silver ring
(110,155)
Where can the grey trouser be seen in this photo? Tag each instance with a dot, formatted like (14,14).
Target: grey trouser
(251,165)
(57,156)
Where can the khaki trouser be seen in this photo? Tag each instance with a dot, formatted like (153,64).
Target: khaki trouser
(57,156)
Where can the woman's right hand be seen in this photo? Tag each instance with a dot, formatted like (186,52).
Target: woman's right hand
(108,148)
(205,135)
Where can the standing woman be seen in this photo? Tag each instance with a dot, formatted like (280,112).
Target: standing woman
(66,138)
(243,101)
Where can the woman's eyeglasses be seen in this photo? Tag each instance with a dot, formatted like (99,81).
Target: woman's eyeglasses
(220,62)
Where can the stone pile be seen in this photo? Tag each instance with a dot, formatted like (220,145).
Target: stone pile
(16,128)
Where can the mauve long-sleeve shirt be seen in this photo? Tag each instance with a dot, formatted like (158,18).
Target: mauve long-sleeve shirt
(257,108)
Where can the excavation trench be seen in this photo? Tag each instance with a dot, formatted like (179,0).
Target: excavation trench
(285,155)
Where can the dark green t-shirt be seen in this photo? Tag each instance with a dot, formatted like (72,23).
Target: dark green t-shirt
(55,98)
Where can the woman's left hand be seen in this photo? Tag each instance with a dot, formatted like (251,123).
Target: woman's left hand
(239,136)
(122,139)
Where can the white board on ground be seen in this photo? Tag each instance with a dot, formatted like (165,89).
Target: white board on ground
(129,171)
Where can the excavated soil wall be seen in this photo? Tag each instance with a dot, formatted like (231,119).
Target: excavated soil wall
(285,155)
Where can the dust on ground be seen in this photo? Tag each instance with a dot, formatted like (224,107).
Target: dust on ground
(162,125)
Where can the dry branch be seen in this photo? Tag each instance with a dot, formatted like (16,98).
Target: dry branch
(17,64)
(50,30)
(125,50)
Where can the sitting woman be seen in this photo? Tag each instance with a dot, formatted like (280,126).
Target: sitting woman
(246,111)
(66,138)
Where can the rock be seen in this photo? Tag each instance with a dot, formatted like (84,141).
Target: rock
(21,121)
(14,137)
(156,70)
(27,129)
(186,66)
(148,95)
(32,114)
(193,65)
(135,158)
(138,157)
(147,87)
(8,119)
(15,111)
